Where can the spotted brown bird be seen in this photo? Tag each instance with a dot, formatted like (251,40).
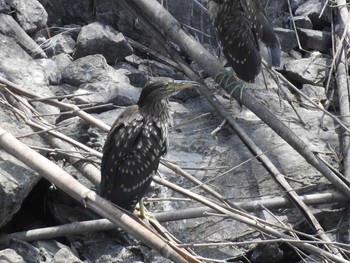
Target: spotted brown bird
(135,143)
(245,34)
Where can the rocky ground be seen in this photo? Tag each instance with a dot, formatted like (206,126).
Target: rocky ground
(88,50)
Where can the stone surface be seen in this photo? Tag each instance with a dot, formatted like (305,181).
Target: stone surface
(121,94)
(313,9)
(313,70)
(10,255)
(50,70)
(65,255)
(61,43)
(302,22)
(287,39)
(30,14)
(136,77)
(62,60)
(296,3)
(9,27)
(315,40)
(16,179)
(65,12)
(4,7)
(316,93)
(27,251)
(97,38)
(90,69)
(17,66)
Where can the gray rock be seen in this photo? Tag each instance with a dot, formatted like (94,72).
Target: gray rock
(134,60)
(315,40)
(97,38)
(27,251)
(62,60)
(154,68)
(61,43)
(65,12)
(121,94)
(315,93)
(302,22)
(136,77)
(9,27)
(277,12)
(30,14)
(4,7)
(53,251)
(65,255)
(90,69)
(313,70)
(16,179)
(10,256)
(50,70)
(266,253)
(287,38)
(17,66)
(75,128)
(108,250)
(296,3)
(313,9)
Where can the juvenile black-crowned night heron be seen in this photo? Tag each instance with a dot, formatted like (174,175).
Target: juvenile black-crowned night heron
(135,143)
(245,34)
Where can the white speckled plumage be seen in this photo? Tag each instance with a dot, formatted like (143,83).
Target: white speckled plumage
(242,28)
(136,141)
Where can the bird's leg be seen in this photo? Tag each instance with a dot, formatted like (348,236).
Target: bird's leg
(142,209)
(229,81)
(226,78)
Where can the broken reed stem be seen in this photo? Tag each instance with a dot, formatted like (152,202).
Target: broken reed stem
(259,224)
(343,94)
(63,106)
(77,228)
(58,140)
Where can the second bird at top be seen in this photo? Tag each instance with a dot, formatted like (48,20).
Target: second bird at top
(245,34)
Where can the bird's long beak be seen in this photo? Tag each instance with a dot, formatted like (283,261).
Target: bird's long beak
(182,84)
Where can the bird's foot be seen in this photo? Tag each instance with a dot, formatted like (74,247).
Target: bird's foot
(142,211)
(226,78)
(229,81)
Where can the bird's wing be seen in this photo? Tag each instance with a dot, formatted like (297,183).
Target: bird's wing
(239,44)
(262,30)
(130,158)
(118,144)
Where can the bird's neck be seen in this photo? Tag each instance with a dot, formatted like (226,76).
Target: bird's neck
(159,110)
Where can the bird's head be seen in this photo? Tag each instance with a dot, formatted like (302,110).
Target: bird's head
(160,88)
